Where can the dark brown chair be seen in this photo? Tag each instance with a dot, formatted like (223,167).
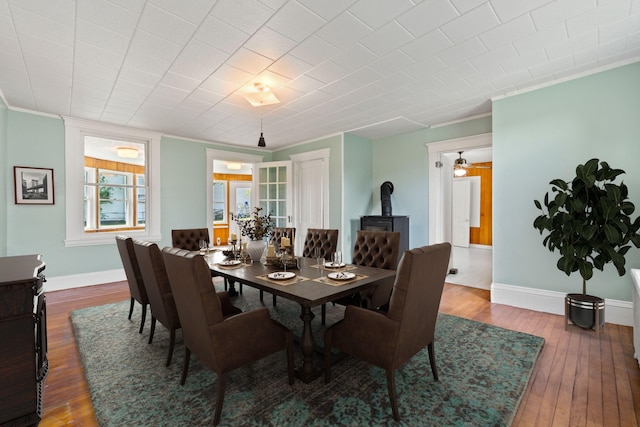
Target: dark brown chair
(327,241)
(324,239)
(221,344)
(378,249)
(389,339)
(163,307)
(189,238)
(134,277)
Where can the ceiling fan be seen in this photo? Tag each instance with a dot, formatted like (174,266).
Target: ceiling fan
(460,165)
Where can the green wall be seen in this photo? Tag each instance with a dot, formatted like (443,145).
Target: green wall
(545,134)
(358,188)
(38,141)
(404,160)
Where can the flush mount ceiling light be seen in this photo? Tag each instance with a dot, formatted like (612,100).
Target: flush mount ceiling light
(259,94)
(234,166)
(127,152)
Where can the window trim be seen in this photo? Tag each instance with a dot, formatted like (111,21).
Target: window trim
(75,131)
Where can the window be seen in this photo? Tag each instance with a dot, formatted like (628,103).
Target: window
(219,202)
(112,183)
(114,190)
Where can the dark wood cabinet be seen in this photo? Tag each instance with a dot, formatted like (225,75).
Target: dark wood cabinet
(388,223)
(23,340)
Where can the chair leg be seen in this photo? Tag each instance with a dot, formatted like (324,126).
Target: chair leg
(185,367)
(261,295)
(323,313)
(274,300)
(391,386)
(153,329)
(133,302)
(219,398)
(327,357)
(432,360)
(144,317)
(172,343)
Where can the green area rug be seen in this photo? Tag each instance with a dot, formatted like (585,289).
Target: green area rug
(483,371)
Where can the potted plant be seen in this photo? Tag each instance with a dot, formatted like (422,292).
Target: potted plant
(589,223)
(256,228)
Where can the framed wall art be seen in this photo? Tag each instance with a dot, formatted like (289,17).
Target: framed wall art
(33,186)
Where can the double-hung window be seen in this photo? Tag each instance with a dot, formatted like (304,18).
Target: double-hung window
(112,179)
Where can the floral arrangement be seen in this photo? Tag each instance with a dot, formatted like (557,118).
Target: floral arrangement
(257,226)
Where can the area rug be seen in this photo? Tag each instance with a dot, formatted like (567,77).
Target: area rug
(483,370)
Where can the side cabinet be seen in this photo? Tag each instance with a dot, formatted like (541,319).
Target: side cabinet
(23,340)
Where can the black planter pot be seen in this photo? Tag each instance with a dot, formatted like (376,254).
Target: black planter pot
(581,310)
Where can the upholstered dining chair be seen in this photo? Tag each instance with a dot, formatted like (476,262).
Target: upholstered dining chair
(324,239)
(378,249)
(327,241)
(221,344)
(189,238)
(134,277)
(389,339)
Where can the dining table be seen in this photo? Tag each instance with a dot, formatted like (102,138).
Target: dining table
(304,285)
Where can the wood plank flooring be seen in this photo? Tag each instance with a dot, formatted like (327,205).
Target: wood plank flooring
(579,380)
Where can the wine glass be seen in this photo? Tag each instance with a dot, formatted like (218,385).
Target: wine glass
(203,247)
(285,259)
(337,260)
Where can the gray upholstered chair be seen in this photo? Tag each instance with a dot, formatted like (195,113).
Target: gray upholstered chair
(189,238)
(389,339)
(134,277)
(221,344)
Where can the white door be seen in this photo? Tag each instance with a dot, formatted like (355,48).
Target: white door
(272,191)
(309,181)
(461,212)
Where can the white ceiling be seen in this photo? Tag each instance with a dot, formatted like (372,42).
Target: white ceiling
(378,67)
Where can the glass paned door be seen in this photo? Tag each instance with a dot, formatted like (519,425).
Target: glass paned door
(273,192)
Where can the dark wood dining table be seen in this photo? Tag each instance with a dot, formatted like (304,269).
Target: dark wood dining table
(308,293)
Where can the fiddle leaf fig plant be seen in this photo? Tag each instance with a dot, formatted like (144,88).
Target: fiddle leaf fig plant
(589,221)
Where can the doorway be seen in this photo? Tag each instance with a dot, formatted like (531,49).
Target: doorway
(472,265)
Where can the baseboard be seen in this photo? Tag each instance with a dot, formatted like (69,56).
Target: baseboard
(616,311)
(86,279)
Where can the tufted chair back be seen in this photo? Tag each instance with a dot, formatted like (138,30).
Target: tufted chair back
(280,232)
(378,249)
(189,238)
(325,239)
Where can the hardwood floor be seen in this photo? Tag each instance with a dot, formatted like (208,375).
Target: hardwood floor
(579,380)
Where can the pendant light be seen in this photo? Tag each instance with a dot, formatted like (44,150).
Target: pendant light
(261,141)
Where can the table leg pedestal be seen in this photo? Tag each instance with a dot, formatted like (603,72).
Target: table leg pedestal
(307,372)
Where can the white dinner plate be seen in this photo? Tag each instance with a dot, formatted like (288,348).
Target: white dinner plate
(334,265)
(230,263)
(341,276)
(282,275)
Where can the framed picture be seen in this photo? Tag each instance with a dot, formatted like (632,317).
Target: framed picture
(33,186)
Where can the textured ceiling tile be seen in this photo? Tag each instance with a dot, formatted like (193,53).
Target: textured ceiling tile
(246,15)
(166,25)
(153,45)
(249,61)
(269,43)
(108,15)
(427,45)
(509,9)
(463,51)
(427,16)
(295,21)
(314,50)
(327,9)
(343,31)
(193,11)
(387,38)
(470,24)
(290,66)
(376,13)
(558,11)
(508,32)
(217,33)
(354,57)
(101,37)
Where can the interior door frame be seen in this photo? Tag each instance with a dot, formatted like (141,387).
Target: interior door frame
(229,156)
(440,181)
(322,154)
